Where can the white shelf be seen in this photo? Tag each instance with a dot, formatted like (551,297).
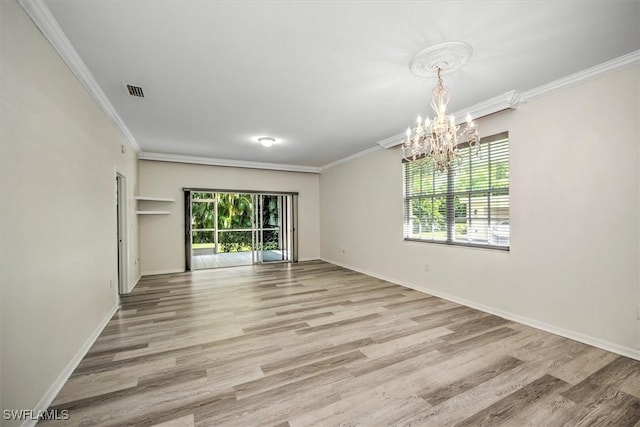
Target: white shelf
(154,199)
(153,212)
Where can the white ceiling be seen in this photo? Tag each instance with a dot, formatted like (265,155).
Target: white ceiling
(328,78)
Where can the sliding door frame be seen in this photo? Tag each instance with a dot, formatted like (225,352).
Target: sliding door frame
(187,231)
(290,223)
(218,190)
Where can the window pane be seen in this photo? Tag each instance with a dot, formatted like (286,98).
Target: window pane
(478,231)
(202,213)
(499,207)
(436,218)
(426,180)
(480,170)
(500,164)
(412,218)
(202,239)
(461,230)
(499,233)
(425,218)
(235,241)
(461,218)
(440,182)
(462,174)
(234,211)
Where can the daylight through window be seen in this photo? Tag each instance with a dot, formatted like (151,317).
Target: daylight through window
(467,205)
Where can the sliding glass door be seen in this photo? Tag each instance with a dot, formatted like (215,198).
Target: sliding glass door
(272,239)
(228,229)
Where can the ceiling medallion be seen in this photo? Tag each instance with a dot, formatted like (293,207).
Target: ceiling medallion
(439,140)
(447,57)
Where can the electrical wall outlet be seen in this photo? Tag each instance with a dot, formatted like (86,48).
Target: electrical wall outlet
(426,268)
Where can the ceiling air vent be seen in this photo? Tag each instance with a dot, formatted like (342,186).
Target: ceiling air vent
(135,91)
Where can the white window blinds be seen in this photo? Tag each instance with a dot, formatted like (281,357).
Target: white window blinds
(467,205)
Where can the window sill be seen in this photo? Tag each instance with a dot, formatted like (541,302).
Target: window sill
(466,245)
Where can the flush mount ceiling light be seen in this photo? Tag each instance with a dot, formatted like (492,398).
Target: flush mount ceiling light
(439,139)
(266,141)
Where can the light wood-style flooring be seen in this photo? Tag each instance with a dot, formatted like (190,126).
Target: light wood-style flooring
(314,344)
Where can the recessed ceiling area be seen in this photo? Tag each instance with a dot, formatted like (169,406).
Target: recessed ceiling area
(329,79)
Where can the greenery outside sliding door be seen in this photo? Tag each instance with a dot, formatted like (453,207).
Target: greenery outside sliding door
(231,229)
(221,222)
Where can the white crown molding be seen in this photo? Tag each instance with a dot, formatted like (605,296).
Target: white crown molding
(177,158)
(44,20)
(507,101)
(392,141)
(353,156)
(600,70)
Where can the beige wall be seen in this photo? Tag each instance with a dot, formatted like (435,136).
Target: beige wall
(59,156)
(573,265)
(162,236)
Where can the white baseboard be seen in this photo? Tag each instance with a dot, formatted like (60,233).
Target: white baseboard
(155,272)
(59,382)
(576,336)
(309,259)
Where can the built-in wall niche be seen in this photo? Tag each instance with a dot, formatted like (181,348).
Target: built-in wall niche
(146,202)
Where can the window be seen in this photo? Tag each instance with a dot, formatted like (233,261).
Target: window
(467,205)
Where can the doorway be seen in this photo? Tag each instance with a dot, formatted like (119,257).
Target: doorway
(229,229)
(121,231)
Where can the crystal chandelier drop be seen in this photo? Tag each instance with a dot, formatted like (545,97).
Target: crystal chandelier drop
(440,139)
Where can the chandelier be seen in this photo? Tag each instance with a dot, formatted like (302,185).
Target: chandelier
(440,140)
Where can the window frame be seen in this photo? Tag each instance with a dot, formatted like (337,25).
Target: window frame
(450,195)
